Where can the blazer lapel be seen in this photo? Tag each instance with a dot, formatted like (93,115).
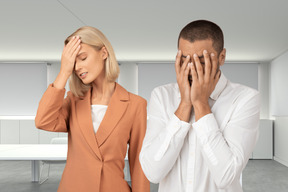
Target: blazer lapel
(83,111)
(116,109)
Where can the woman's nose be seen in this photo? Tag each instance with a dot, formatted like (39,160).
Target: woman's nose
(77,66)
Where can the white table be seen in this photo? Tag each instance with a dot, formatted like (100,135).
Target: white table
(35,153)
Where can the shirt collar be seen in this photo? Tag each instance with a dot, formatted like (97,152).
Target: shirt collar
(218,89)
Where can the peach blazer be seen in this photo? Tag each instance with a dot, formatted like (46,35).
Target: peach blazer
(95,162)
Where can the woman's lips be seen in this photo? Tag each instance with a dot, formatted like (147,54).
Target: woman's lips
(83,75)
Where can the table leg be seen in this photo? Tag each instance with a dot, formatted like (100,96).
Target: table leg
(35,170)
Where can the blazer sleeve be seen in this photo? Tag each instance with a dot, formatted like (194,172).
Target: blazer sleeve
(139,182)
(53,111)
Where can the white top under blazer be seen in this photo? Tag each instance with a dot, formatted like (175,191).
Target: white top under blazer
(97,112)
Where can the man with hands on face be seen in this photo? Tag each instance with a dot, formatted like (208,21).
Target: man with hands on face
(202,129)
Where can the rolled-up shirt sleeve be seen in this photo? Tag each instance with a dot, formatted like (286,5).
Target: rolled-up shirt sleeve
(163,140)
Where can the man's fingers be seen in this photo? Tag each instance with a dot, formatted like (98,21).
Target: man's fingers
(207,66)
(177,62)
(184,64)
(193,72)
(198,67)
(186,73)
(214,66)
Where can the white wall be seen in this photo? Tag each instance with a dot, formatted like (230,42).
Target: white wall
(280,140)
(279,91)
(24,131)
(52,72)
(128,77)
(151,75)
(264,89)
(22,86)
(279,106)
(244,73)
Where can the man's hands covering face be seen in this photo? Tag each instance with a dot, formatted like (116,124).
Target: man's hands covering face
(182,72)
(204,80)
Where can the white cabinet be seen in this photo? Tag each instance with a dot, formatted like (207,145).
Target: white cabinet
(28,132)
(13,131)
(10,132)
(264,146)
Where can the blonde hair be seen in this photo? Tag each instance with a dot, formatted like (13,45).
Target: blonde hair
(96,39)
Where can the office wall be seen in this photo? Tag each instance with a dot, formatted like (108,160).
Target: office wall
(280,140)
(151,75)
(264,89)
(279,91)
(22,85)
(128,77)
(279,106)
(52,72)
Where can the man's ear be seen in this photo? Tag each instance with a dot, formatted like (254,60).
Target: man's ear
(104,53)
(222,57)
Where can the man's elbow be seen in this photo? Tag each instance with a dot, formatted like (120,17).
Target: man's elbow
(222,185)
(224,182)
(152,176)
(150,171)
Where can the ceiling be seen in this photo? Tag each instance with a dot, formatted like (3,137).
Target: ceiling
(34,30)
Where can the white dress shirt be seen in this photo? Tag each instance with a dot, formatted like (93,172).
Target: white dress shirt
(204,156)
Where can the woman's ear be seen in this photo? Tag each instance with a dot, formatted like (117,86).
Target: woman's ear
(104,53)
(222,57)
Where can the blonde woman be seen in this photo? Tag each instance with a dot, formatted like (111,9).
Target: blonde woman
(100,116)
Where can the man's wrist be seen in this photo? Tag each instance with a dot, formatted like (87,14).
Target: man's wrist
(184,111)
(201,109)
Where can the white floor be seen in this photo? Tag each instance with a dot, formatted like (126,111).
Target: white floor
(258,176)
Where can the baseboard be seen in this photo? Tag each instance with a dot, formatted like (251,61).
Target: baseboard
(284,162)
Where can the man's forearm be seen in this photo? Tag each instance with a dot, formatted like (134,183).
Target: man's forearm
(184,112)
(201,109)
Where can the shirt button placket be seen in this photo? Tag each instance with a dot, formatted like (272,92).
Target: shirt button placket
(191,163)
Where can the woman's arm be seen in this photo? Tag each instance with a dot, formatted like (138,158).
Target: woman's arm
(53,111)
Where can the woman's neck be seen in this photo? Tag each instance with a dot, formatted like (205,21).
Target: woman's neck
(102,92)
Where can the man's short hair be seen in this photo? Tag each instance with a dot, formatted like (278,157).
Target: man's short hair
(202,30)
